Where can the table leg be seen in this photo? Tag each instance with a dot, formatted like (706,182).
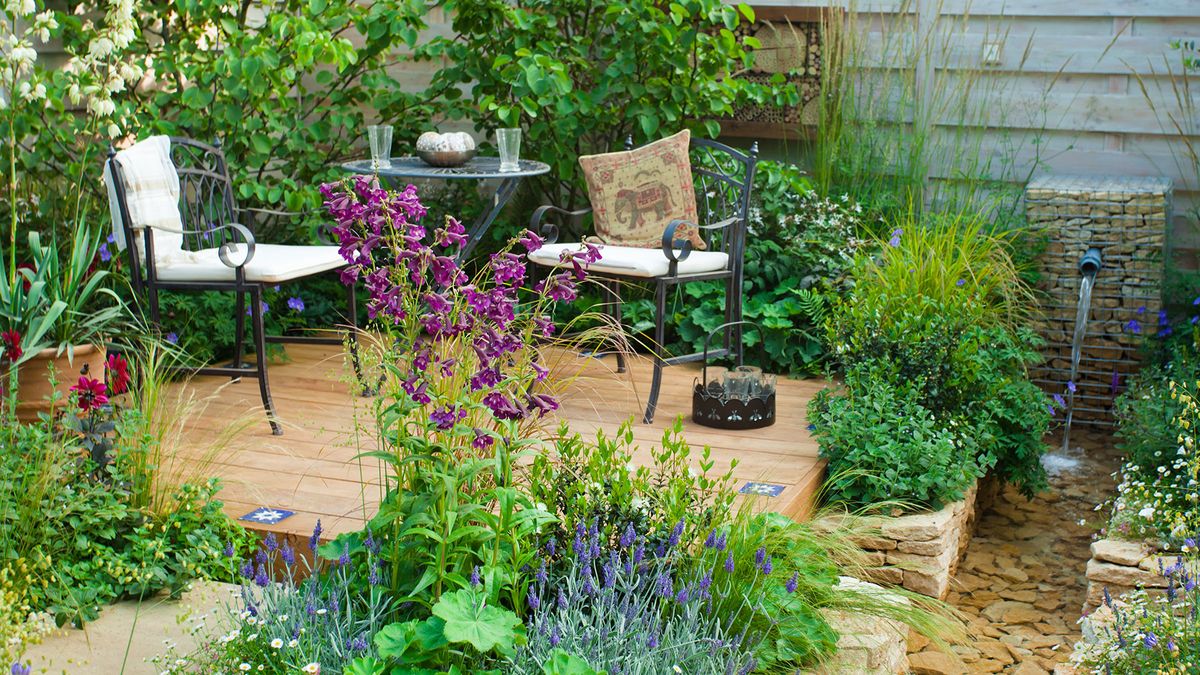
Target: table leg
(504,192)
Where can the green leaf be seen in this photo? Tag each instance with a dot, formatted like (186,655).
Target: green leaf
(470,620)
(562,663)
(365,665)
(394,640)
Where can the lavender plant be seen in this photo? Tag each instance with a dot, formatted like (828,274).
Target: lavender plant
(319,624)
(643,608)
(1144,633)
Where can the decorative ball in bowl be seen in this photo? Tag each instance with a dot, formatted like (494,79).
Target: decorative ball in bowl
(445,150)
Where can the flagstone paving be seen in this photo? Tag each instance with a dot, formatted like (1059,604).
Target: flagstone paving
(1021,586)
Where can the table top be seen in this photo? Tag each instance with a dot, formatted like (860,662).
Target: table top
(478,168)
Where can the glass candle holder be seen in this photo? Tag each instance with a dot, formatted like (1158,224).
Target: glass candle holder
(737,385)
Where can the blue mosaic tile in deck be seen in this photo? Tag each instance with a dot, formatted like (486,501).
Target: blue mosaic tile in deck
(762,489)
(267,516)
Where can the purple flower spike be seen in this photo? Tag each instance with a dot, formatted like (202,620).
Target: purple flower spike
(260,577)
(628,536)
(760,555)
(315,540)
(270,542)
(288,554)
(793,583)
(475,581)
(729,563)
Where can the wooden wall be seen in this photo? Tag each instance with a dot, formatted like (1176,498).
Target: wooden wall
(1065,91)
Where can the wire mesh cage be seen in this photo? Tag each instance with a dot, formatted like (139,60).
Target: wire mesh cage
(1125,218)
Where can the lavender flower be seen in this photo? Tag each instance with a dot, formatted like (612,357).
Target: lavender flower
(315,540)
(475,581)
(260,576)
(793,583)
(270,542)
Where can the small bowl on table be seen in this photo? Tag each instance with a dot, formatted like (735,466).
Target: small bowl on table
(446,158)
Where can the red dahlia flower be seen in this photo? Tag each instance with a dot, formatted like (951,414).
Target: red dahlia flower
(12,345)
(92,393)
(118,374)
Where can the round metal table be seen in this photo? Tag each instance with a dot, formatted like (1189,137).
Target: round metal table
(481,169)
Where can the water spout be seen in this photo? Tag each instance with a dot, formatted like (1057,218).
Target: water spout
(1089,265)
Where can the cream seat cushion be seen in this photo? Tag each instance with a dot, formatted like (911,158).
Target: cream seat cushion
(633,261)
(272,263)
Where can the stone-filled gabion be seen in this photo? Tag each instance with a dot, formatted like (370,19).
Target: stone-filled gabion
(1125,217)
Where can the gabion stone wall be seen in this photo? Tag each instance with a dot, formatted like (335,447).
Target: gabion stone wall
(1126,218)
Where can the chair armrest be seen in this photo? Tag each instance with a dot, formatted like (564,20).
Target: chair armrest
(241,233)
(678,250)
(549,231)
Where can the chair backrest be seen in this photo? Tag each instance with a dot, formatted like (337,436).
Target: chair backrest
(206,200)
(723,178)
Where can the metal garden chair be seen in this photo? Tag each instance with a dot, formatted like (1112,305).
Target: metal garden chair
(218,252)
(723,179)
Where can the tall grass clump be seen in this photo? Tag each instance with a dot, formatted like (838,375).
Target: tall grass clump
(955,260)
(905,135)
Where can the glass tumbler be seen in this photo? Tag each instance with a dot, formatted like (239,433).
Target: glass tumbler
(509,142)
(380,138)
(737,385)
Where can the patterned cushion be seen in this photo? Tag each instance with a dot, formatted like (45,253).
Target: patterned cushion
(636,194)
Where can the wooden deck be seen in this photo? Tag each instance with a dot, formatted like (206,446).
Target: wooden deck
(311,469)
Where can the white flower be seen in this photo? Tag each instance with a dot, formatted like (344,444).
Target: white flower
(20,7)
(322,611)
(1147,512)
(244,667)
(276,643)
(102,107)
(101,47)
(113,130)
(312,669)
(292,644)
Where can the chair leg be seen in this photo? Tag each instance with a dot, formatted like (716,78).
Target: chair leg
(660,316)
(239,343)
(616,313)
(260,345)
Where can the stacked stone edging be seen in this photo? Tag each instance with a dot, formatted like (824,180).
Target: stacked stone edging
(867,645)
(1121,566)
(921,551)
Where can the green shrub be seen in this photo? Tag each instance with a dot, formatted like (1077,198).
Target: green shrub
(578,78)
(883,446)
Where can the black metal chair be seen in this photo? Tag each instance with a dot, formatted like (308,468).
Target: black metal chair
(224,256)
(723,179)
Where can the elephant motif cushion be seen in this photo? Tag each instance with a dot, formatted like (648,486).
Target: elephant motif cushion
(636,194)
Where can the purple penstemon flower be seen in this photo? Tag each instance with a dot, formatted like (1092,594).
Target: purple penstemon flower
(531,241)
(445,417)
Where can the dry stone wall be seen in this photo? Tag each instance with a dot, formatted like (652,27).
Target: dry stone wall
(921,551)
(1120,567)
(1126,218)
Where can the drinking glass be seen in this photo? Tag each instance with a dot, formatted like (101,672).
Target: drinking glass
(509,141)
(737,385)
(767,386)
(380,137)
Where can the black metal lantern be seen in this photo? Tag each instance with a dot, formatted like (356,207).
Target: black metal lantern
(745,399)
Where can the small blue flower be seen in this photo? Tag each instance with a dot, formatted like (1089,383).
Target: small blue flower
(895,240)
(760,555)
(729,563)
(793,583)
(555,637)
(1058,399)
(1134,326)
(1071,386)
(265,308)
(288,554)
(960,283)
(296,303)
(475,581)
(1151,640)
(172,338)
(20,669)
(1141,310)
(767,566)
(105,256)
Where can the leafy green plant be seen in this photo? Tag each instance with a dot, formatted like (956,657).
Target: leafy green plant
(883,446)
(594,484)
(548,67)
(463,631)
(93,312)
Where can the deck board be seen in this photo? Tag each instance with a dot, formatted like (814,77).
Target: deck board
(313,468)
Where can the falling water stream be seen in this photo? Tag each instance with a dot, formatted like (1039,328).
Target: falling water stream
(1082,313)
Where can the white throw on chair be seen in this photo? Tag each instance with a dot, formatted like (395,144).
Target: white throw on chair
(174,199)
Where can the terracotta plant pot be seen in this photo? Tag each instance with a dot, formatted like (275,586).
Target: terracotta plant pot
(34,391)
